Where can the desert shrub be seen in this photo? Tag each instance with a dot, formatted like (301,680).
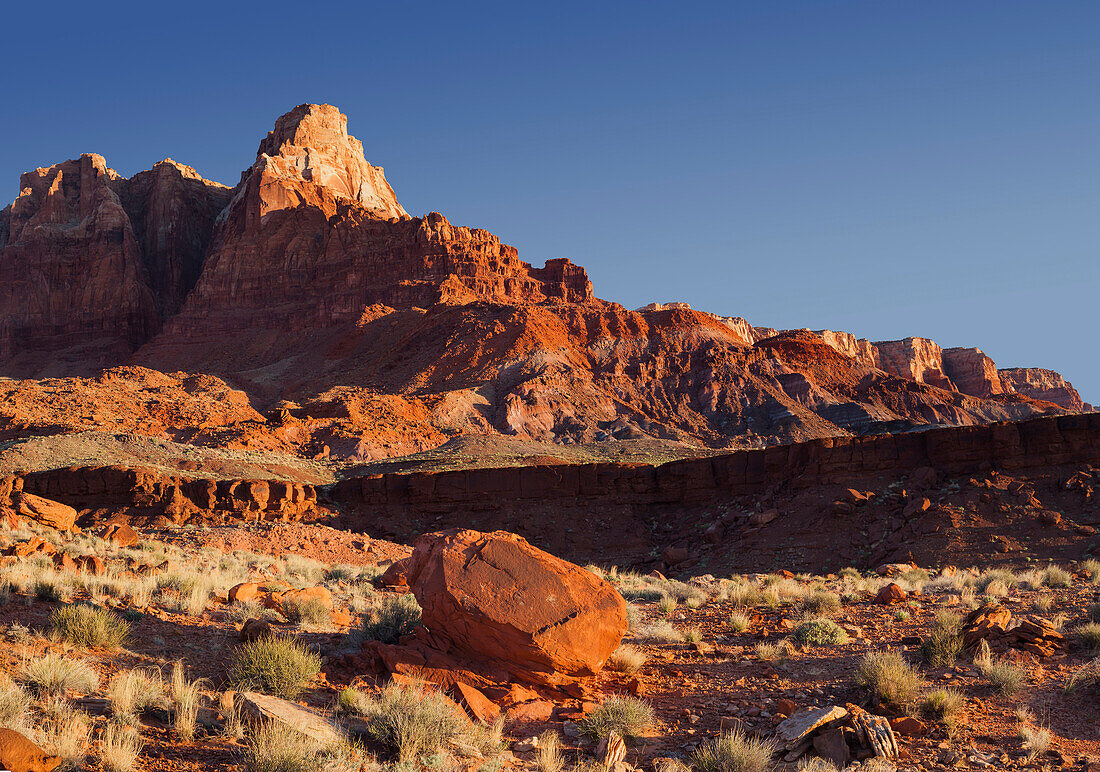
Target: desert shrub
(1036,739)
(278,666)
(779,651)
(693,635)
(548,757)
(1003,676)
(995,576)
(820,632)
(411,720)
(185,701)
(944,643)
(942,705)
(397,616)
(1085,676)
(132,692)
(901,615)
(626,659)
(733,752)
(55,674)
(1056,576)
(272,748)
(643,592)
(658,632)
(49,589)
(184,592)
(821,602)
(741,594)
(886,676)
(666,605)
(310,611)
(1043,603)
(1089,635)
(64,733)
(88,626)
(119,748)
(14,704)
(618,713)
(739,622)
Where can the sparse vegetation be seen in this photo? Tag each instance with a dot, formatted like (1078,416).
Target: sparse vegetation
(733,752)
(658,632)
(397,616)
(185,701)
(886,676)
(274,749)
(410,719)
(278,666)
(14,704)
(308,611)
(627,659)
(739,622)
(1056,576)
(1089,635)
(1003,676)
(942,705)
(620,713)
(549,758)
(944,643)
(131,692)
(1036,739)
(820,632)
(821,603)
(779,651)
(56,674)
(119,748)
(88,626)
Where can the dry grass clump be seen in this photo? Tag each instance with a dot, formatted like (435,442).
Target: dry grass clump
(397,616)
(739,592)
(887,677)
(626,715)
(942,705)
(667,605)
(307,611)
(1085,676)
(733,752)
(1056,576)
(627,659)
(240,613)
(278,666)
(1089,635)
(944,643)
(1003,676)
(64,733)
(88,626)
(184,592)
(820,632)
(410,720)
(780,651)
(132,692)
(739,622)
(185,701)
(119,748)
(1036,739)
(15,704)
(272,748)
(55,674)
(1092,568)
(658,632)
(821,603)
(549,758)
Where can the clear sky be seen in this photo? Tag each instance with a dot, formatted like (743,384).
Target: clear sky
(887,168)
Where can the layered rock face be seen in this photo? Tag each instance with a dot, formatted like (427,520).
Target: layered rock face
(1047,385)
(350,329)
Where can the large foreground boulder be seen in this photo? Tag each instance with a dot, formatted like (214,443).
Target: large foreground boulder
(493,599)
(53,514)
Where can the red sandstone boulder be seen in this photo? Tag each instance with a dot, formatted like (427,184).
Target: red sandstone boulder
(121,534)
(254,629)
(18,754)
(493,598)
(891,593)
(53,514)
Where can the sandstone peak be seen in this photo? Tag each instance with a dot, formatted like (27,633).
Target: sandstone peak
(311,144)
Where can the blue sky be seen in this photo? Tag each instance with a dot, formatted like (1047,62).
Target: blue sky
(887,168)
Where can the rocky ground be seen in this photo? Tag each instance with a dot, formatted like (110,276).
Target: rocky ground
(709,655)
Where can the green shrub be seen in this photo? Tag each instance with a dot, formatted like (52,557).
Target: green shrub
(278,666)
(397,616)
(733,752)
(886,676)
(820,632)
(944,643)
(88,626)
(618,713)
